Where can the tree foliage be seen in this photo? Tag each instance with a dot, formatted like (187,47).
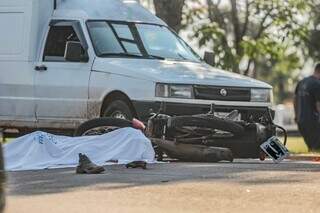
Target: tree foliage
(250,35)
(242,31)
(313,44)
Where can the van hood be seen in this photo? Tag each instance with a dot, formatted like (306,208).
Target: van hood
(178,72)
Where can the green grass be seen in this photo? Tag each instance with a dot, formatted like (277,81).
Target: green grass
(8,140)
(297,145)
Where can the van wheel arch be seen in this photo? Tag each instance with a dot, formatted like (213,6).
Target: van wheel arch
(117,96)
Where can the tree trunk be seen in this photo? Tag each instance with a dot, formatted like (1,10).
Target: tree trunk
(170,11)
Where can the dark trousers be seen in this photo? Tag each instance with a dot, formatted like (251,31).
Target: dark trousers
(311,134)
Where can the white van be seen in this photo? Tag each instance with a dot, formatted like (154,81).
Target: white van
(66,61)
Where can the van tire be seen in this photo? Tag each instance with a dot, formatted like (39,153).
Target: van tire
(101,122)
(118,109)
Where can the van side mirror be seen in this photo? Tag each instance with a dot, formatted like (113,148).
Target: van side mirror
(209,58)
(75,53)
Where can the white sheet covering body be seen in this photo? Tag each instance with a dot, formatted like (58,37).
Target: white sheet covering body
(40,150)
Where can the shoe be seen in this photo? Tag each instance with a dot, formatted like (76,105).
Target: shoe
(137,164)
(85,166)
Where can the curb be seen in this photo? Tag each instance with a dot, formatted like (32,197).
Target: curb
(312,158)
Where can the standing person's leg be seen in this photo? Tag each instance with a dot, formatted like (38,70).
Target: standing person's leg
(307,132)
(316,137)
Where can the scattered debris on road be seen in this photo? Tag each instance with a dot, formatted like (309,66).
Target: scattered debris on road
(137,164)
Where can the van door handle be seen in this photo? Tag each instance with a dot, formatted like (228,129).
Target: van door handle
(41,68)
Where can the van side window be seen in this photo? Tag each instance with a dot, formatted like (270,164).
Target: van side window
(56,42)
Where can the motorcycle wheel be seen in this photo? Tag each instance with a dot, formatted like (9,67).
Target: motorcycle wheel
(100,126)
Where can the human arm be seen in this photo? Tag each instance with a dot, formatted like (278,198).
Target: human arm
(317,101)
(295,104)
(317,97)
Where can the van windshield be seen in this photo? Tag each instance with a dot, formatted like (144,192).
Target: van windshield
(127,39)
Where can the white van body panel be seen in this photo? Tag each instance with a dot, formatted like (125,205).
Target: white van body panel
(182,72)
(22,25)
(64,98)
(104,83)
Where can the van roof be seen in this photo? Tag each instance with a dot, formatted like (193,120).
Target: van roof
(122,10)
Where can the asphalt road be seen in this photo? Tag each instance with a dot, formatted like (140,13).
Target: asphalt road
(243,186)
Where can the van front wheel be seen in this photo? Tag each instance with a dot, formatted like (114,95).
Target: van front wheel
(118,109)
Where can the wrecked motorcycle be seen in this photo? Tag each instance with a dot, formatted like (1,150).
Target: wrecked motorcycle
(204,137)
(216,137)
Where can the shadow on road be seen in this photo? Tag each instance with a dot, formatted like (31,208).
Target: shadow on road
(118,177)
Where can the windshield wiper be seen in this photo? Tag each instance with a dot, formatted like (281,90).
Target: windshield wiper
(182,57)
(157,57)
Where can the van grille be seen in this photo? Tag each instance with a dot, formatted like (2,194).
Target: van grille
(222,93)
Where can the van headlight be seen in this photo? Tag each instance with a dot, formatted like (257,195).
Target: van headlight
(261,95)
(174,91)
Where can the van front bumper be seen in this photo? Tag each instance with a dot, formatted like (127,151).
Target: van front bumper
(144,108)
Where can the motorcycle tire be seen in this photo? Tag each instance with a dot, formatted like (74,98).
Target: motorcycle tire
(101,122)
